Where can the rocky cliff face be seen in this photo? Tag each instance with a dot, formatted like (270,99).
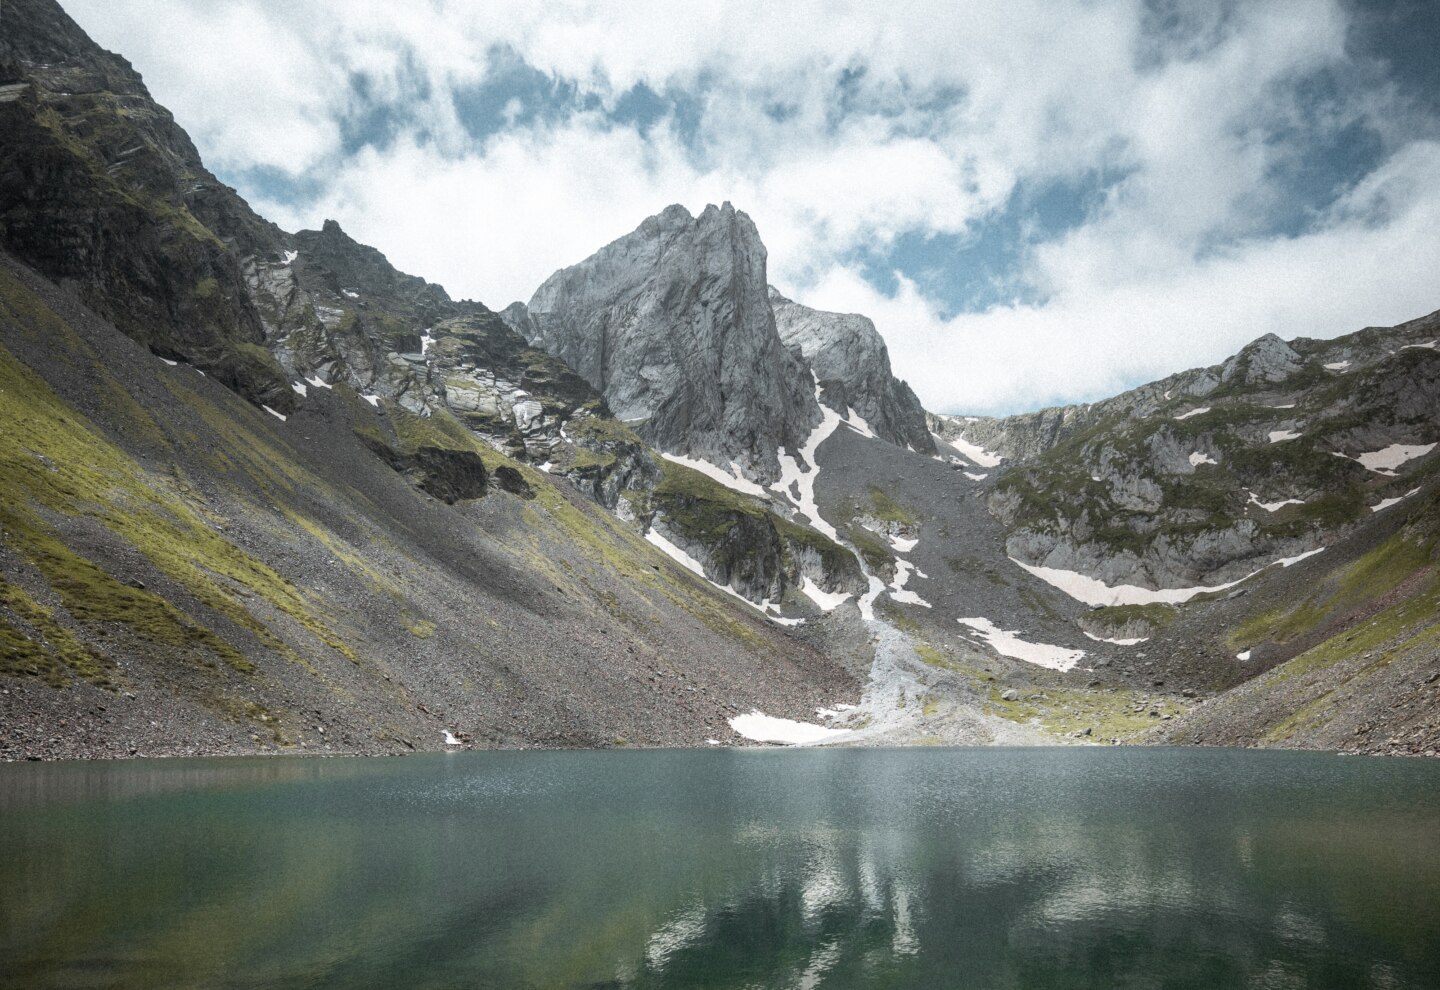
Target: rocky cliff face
(672,323)
(849,357)
(336,311)
(1205,476)
(102,191)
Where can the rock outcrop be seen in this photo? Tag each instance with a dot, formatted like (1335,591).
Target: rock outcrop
(849,357)
(101,191)
(1204,477)
(672,323)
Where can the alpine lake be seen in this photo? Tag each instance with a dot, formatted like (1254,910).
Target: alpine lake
(803,868)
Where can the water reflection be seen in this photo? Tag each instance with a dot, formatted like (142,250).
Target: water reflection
(983,868)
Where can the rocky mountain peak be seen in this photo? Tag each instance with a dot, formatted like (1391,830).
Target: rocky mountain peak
(672,323)
(39,32)
(845,349)
(353,266)
(1267,359)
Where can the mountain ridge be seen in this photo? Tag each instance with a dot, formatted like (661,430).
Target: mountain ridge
(271,494)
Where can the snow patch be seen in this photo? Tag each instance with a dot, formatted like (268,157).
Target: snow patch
(450,739)
(546,467)
(976,477)
(1287,406)
(300,389)
(1386,503)
(290,257)
(1337,366)
(1119,642)
(1280,436)
(1008,644)
(898,591)
(1432,345)
(867,602)
(802,483)
(981,456)
(1391,457)
(674,553)
(903,545)
(1273,506)
(349,295)
(712,742)
(782,621)
(318,382)
(272,412)
(759,727)
(1243,656)
(1197,458)
(857,423)
(169,362)
(1292,561)
(374,400)
(426,342)
(735,481)
(1194,412)
(1093,591)
(826,601)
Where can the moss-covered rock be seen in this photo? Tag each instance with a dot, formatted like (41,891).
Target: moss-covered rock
(743,544)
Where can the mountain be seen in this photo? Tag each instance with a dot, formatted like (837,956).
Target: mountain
(1202,477)
(672,324)
(261,491)
(847,350)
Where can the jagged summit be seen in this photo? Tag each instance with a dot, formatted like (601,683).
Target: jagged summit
(845,348)
(676,324)
(672,323)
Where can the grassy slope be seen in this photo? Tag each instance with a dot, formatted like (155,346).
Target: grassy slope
(161,536)
(1364,656)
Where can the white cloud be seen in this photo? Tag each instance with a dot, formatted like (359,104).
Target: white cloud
(494,226)
(839,127)
(1373,262)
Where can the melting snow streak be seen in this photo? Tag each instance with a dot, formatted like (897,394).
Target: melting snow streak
(760,727)
(1008,644)
(1093,591)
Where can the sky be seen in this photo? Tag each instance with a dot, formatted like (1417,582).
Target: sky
(1036,201)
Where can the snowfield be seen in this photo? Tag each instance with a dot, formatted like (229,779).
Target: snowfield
(977,455)
(1009,644)
(759,727)
(1093,591)
(734,481)
(1387,459)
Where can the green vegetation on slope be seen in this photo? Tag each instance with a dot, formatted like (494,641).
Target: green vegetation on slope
(1347,590)
(59,476)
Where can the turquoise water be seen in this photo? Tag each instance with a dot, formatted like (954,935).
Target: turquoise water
(987,868)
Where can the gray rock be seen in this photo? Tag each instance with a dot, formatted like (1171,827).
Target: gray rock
(1268,359)
(672,323)
(846,348)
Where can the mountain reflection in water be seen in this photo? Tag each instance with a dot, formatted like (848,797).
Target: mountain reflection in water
(844,868)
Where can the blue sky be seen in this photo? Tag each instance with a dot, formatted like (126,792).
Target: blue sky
(1038,201)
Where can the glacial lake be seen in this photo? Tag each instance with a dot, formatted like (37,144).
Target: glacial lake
(945,868)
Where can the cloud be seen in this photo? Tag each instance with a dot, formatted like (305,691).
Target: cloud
(1233,193)
(1371,262)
